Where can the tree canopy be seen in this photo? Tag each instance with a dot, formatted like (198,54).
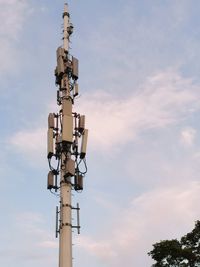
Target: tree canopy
(175,253)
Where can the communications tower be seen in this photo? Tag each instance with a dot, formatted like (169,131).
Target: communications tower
(66,145)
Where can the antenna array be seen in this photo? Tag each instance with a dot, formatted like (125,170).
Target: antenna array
(67,143)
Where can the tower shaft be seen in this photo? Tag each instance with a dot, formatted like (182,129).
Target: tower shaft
(64,132)
(65,238)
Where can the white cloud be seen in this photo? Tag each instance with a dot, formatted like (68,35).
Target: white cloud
(188,136)
(29,220)
(164,99)
(102,249)
(49,244)
(13,14)
(28,239)
(30,143)
(163,213)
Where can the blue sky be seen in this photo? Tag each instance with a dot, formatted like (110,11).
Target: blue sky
(140,91)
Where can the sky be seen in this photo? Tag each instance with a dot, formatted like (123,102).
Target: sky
(140,91)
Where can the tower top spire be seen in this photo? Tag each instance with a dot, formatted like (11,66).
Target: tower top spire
(65,7)
(68,28)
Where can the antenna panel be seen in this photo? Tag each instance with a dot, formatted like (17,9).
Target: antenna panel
(70,168)
(81,125)
(50,145)
(67,129)
(60,52)
(78,182)
(51,120)
(60,61)
(50,181)
(60,67)
(75,68)
(76,90)
(84,144)
(67,107)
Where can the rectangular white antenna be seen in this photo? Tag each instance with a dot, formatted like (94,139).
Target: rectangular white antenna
(50,145)
(84,144)
(67,129)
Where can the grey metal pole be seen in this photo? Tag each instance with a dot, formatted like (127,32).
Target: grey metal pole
(66,24)
(65,242)
(65,239)
(64,130)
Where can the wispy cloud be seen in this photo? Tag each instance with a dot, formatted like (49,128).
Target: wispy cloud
(30,140)
(160,214)
(30,241)
(30,143)
(162,100)
(13,14)
(188,136)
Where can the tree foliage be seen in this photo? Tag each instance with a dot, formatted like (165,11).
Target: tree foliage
(175,253)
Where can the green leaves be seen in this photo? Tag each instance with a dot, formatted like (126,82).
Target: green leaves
(174,253)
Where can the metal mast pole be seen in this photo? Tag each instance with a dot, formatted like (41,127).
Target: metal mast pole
(65,241)
(64,132)
(66,24)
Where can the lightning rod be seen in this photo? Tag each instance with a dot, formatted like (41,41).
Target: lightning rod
(66,145)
